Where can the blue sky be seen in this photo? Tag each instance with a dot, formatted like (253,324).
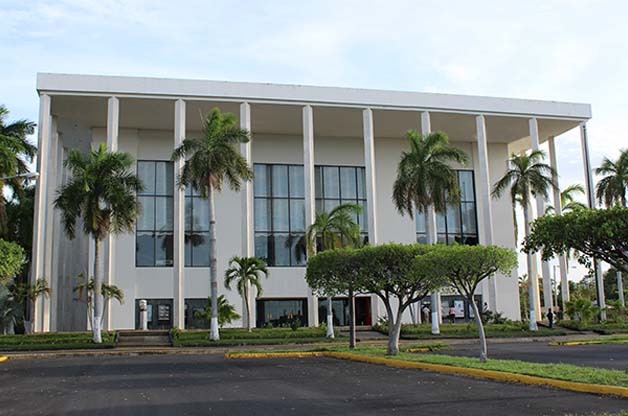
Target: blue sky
(560,50)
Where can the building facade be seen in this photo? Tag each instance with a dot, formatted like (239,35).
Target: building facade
(312,148)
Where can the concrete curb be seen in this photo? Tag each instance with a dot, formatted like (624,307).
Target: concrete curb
(440,368)
(573,343)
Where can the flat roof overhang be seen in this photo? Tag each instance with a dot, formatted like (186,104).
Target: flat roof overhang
(147,103)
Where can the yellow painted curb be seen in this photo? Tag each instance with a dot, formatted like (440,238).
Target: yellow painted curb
(3,358)
(571,343)
(273,354)
(441,368)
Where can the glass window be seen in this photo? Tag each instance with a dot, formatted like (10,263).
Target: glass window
(279,214)
(281,312)
(154,227)
(458,223)
(348,183)
(297,182)
(337,185)
(260,185)
(331,182)
(279,184)
(196,230)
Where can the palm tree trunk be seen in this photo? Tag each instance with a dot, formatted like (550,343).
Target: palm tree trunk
(330,318)
(532,295)
(98,300)
(214,335)
(351,319)
(480,325)
(248,308)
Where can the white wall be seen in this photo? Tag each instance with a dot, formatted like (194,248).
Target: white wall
(157,282)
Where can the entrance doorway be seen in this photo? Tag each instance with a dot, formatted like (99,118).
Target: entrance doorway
(159,313)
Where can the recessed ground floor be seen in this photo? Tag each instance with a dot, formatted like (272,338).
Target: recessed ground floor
(211,384)
(283,312)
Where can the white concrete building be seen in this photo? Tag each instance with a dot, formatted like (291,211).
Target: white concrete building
(311,147)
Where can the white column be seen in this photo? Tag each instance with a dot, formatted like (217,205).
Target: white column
(310,210)
(46,302)
(484,197)
(248,236)
(540,210)
(432,238)
(113,117)
(588,176)
(39,219)
(371,191)
(179,222)
(562,260)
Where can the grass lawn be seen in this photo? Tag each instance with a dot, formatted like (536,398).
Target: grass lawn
(567,372)
(55,341)
(605,328)
(469,330)
(258,336)
(606,340)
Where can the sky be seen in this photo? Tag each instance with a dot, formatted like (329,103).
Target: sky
(563,50)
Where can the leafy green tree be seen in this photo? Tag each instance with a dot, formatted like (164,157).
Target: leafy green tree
(20,212)
(102,194)
(226,311)
(9,311)
(581,309)
(246,272)
(611,284)
(28,293)
(336,272)
(388,271)
(331,230)
(464,268)
(85,292)
(593,233)
(425,181)
(11,260)
(209,160)
(613,187)
(16,153)
(527,176)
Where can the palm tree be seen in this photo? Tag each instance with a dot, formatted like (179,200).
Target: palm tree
(426,181)
(612,189)
(245,272)
(85,287)
(568,200)
(28,293)
(16,152)
(102,193)
(334,229)
(209,160)
(527,176)
(226,311)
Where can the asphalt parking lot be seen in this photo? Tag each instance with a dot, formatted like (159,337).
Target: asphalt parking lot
(211,384)
(613,356)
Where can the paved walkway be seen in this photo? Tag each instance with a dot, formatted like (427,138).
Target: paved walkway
(211,384)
